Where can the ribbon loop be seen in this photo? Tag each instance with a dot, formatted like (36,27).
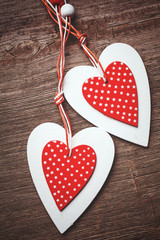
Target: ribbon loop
(82,38)
(59,98)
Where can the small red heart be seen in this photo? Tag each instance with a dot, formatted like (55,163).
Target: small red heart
(66,176)
(118,97)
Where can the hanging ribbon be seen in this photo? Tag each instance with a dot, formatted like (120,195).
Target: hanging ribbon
(81,37)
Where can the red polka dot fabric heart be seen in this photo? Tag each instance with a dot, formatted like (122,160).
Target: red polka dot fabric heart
(66,176)
(117,98)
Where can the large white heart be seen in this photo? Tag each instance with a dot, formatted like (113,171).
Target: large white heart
(75,78)
(103,146)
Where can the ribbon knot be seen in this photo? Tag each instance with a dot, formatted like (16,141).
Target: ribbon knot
(82,38)
(59,98)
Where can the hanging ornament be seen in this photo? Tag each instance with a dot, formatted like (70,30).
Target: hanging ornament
(122,105)
(67,171)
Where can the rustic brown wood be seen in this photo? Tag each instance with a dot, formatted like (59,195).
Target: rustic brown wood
(128,206)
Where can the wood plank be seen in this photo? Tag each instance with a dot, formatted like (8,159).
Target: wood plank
(128,206)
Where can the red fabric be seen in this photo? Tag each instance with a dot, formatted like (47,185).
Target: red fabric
(117,98)
(57,2)
(66,176)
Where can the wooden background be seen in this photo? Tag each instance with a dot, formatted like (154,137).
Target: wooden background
(128,206)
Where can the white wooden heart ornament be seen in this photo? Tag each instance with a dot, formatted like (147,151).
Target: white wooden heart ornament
(98,140)
(76,78)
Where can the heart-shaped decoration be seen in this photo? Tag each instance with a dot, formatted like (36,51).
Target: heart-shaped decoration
(115,121)
(66,176)
(42,145)
(118,97)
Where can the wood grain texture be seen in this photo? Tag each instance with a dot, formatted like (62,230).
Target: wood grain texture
(128,206)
